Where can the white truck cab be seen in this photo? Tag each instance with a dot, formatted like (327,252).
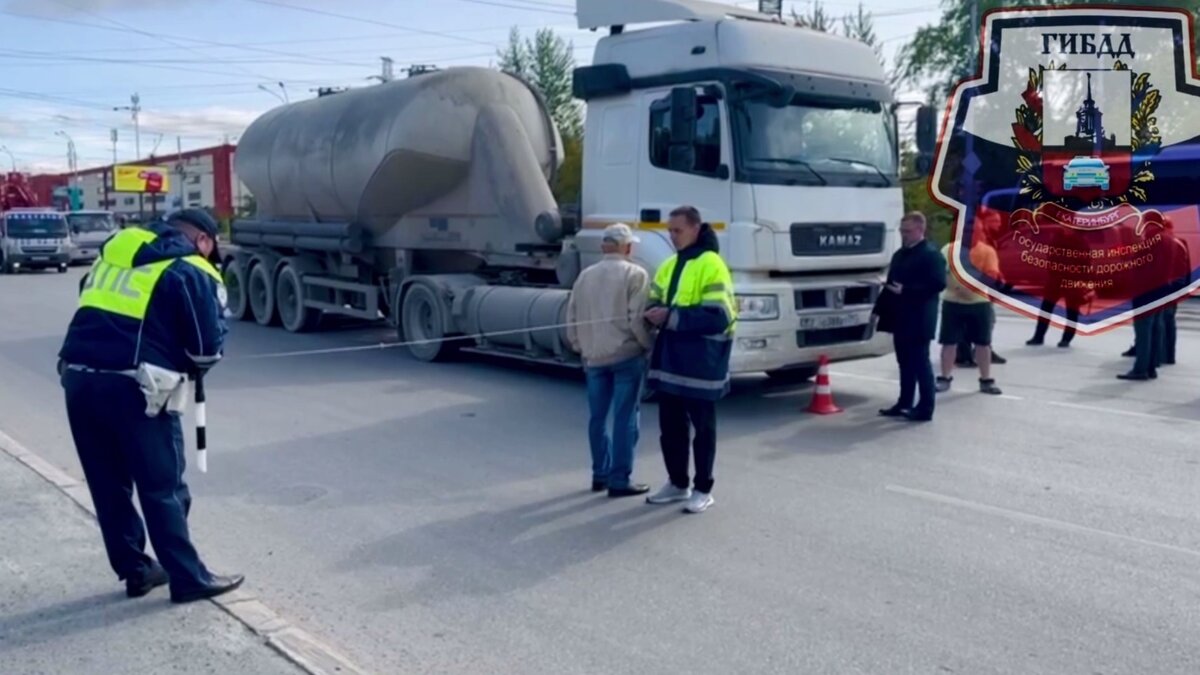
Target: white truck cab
(786,141)
(89,230)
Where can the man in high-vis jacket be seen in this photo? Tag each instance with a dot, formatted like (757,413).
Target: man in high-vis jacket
(691,301)
(151,314)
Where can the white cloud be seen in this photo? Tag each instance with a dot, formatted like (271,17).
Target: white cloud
(214,122)
(76,7)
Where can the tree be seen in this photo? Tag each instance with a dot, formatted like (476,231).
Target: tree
(861,26)
(548,63)
(816,18)
(942,54)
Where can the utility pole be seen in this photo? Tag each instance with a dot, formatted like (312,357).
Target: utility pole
(72,166)
(179,171)
(387,74)
(136,108)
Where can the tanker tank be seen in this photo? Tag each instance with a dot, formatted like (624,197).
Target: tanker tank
(460,159)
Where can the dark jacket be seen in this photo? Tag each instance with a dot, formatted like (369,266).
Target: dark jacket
(691,353)
(912,314)
(184,321)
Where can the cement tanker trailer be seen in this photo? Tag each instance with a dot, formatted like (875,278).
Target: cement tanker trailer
(424,201)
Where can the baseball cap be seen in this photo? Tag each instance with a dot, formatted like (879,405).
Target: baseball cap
(199,219)
(620,233)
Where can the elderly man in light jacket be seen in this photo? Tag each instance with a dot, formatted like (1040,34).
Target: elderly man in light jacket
(605,326)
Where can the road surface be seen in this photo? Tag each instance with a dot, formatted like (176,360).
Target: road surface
(435,518)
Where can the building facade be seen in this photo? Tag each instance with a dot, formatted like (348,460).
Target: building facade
(203,178)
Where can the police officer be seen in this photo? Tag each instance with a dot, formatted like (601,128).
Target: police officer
(691,301)
(151,313)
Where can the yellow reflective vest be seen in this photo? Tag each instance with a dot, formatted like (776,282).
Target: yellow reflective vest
(691,353)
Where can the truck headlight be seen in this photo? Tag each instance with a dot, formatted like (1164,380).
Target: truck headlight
(757,307)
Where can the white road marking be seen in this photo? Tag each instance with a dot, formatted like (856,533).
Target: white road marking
(1060,404)
(1036,520)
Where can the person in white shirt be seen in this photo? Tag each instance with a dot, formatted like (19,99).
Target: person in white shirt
(606,327)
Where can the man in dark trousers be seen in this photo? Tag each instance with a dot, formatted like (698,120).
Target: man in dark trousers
(908,309)
(691,301)
(151,314)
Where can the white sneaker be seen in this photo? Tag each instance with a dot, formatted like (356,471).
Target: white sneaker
(699,502)
(669,493)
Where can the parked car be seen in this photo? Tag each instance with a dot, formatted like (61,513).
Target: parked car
(89,229)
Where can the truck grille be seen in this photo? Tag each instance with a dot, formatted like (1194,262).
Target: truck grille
(832,336)
(836,298)
(815,240)
(40,250)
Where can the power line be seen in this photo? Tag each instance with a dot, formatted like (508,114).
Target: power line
(375,22)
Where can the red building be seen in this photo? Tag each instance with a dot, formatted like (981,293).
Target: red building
(202,178)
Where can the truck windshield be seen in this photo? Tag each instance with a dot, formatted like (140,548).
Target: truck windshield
(817,143)
(91,222)
(35,225)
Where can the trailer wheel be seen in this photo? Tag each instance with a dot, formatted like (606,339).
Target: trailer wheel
(235,289)
(289,298)
(262,295)
(422,324)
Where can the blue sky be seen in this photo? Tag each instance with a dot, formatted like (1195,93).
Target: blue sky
(198,64)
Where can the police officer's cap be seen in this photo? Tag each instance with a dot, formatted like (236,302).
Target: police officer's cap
(197,218)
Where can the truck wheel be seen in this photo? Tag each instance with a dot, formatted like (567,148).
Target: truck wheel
(422,324)
(792,375)
(235,289)
(289,298)
(262,295)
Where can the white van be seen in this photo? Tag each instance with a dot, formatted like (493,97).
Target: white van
(33,238)
(89,229)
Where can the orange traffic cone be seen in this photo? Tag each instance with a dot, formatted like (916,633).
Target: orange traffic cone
(822,401)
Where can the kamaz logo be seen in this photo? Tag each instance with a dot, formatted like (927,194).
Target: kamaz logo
(841,240)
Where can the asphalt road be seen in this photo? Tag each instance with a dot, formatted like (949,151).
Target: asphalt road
(434,518)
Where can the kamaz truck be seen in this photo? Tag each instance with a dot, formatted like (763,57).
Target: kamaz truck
(426,202)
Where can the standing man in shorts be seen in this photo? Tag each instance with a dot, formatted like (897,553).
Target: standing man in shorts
(968,316)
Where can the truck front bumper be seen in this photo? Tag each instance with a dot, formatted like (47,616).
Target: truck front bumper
(766,346)
(38,260)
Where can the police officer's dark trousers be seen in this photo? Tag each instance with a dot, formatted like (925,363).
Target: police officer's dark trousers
(119,448)
(677,416)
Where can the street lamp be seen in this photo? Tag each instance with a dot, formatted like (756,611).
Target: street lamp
(283,98)
(72,164)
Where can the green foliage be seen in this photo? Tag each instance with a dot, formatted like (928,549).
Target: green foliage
(569,185)
(815,18)
(547,62)
(918,198)
(942,54)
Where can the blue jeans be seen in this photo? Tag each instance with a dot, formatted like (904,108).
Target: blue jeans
(615,389)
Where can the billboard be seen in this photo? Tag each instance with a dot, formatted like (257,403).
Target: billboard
(138,178)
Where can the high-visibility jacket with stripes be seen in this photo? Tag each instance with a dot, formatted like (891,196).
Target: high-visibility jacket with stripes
(150,297)
(691,353)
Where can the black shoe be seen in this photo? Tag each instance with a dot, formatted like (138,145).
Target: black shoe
(998,360)
(1138,377)
(218,586)
(1063,344)
(1129,353)
(1169,363)
(1035,342)
(942,384)
(988,386)
(894,411)
(156,576)
(919,416)
(631,490)
(1153,374)
(599,486)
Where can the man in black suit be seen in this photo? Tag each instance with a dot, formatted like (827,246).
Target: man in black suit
(908,309)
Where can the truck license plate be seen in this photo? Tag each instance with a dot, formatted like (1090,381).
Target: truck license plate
(840,320)
(39,258)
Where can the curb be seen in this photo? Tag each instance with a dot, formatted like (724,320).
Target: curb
(295,644)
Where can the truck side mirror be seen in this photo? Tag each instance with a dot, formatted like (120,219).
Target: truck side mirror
(782,97)
(926,130)
(683,129)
